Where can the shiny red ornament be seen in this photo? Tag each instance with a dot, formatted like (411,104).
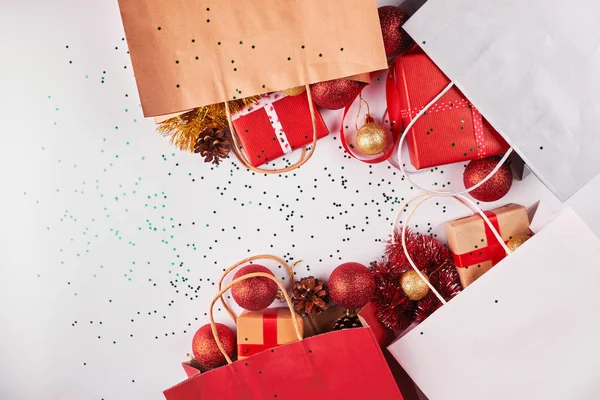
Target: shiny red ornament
(496,187)
(351,285)
(335,94)
(254,294)
(395,39)
(205,348)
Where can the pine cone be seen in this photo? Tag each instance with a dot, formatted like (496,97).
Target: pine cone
(347,321)
(310,296)
(213,144)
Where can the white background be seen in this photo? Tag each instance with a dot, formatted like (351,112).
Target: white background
(111,240)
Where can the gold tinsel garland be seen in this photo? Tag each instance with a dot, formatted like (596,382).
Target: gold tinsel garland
(184,129)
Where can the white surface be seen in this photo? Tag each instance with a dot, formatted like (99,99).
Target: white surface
(527,330)
(531,69)
(71,213)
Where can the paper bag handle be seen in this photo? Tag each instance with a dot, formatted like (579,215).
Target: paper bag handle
(244,261)
(393,106)
(303,158)
(238,280)
(465,201)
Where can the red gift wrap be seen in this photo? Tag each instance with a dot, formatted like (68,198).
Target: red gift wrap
(276,126)
(451,130)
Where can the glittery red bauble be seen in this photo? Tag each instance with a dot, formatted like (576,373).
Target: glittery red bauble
(496,187)
(395,38)
(205,348)
(254,294)
(351,285)
(335,94)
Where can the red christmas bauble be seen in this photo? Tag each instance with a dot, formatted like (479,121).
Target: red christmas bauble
(351,285)
(205,348)
(254,294)
(335,94)
(395,38)
(496,187)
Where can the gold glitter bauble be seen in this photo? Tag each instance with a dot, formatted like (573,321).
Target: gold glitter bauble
(371,138)
(413,286)
(295,91)
(517,241)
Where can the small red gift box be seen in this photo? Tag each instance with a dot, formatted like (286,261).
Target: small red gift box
(452,129)
(275,126)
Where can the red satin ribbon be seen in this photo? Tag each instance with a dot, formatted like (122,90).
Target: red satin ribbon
(390,85)
(494,251)
(269,335)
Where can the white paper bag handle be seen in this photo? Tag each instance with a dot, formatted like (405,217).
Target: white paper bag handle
(433,192)
(465,201)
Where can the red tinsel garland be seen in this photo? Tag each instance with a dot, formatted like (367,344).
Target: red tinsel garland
(394,309)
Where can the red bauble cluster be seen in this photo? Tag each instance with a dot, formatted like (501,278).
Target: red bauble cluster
(496,187)
(205,348)
(335,94)
(395,39)
(254,294)
(351,285)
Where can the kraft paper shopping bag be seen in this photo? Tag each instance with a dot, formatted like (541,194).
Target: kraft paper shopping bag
(191,53)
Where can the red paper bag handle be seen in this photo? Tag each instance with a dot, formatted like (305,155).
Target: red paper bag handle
(238,280)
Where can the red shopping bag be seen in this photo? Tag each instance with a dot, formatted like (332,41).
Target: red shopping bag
(345,364)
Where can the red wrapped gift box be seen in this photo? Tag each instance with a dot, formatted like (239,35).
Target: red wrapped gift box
(275,126)
(452,130)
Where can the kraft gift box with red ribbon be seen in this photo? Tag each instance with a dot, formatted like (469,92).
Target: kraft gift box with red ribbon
(452,130)
(474,247)
(262,330)
(275,126)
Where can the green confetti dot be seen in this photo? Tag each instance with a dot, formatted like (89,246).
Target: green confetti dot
(453,144)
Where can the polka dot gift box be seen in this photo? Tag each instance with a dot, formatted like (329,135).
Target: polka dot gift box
(276,126)
(452,130)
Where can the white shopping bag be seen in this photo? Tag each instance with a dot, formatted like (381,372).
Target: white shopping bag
(526,330)
(532,68)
